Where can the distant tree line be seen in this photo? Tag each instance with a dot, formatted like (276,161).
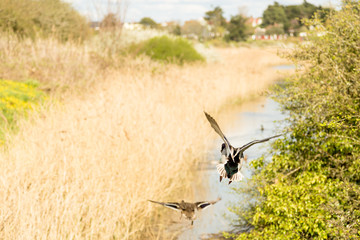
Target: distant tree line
(277,19)
(34,18)
(280,19)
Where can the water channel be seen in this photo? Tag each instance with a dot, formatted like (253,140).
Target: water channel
(255,119)
(252,120)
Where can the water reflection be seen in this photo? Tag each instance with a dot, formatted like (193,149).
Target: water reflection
(244,126)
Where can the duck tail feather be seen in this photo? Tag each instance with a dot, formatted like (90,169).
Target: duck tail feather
(237,177)
(221,170)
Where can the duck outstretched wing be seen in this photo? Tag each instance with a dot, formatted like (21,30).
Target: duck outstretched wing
(217,129)
(246,146)
(205,204)
(172,205)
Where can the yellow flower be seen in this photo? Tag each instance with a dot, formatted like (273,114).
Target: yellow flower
(17,99)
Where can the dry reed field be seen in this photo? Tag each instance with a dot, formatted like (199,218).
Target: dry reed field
(84,166)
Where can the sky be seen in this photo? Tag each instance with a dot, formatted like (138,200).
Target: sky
(179,10)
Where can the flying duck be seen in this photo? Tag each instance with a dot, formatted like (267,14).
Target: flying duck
(233,157)
(187,209)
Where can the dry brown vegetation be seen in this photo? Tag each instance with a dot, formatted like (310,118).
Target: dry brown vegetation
(84,167)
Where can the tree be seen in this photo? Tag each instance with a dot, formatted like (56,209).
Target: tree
(193,28)
(148,22)
(216,19)
(30,18)
(291,17)
(114,12)
(110,22)
(296,14)
(275,14)
(238,29)
(176,30)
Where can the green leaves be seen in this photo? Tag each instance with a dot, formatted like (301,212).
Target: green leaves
(237,28)
(310,189)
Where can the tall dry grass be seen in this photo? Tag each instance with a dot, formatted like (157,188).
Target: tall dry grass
(55,65)
(85,168)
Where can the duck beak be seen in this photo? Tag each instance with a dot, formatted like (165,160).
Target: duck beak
(221,178)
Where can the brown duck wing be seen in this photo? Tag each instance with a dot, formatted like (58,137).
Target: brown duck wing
(172,205)
(246,146)
(217,129)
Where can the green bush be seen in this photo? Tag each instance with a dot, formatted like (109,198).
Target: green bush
(33,18)
(170,50)
(16,99)
(310,189)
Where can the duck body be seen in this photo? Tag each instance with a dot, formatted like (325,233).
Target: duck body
(231,168)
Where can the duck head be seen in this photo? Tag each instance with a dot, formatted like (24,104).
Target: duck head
(223,149)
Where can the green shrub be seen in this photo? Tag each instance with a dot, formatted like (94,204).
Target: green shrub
(173,50)
(16,99)
(33,18)
(310,189)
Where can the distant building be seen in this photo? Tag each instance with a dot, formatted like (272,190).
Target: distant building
(254,22)
(262,33)
(259,32)
(170,24)
(132,26)
(95,25)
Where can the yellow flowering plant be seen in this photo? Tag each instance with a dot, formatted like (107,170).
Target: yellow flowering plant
(16,100)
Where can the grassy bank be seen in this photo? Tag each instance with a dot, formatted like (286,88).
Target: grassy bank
(120,135)
(56,66)
(310,189)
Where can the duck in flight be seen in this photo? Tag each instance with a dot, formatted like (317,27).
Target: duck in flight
(233,157)
(187,209)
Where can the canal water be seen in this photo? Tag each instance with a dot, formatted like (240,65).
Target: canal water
(253,120)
